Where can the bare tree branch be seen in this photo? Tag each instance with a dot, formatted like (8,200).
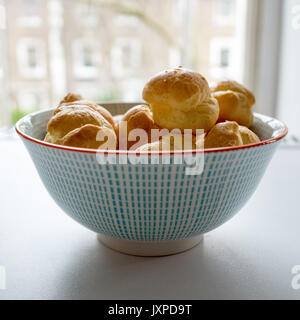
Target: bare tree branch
(124,8)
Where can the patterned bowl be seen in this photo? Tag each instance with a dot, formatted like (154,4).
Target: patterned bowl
(153,208)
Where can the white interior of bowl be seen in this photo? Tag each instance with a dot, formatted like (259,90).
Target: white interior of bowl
(34,125)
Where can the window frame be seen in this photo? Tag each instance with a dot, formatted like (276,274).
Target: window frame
(39,71)
(262,52)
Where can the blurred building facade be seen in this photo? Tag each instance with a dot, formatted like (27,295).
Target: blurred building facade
(107,51)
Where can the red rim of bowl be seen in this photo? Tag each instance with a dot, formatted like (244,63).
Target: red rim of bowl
(120,152)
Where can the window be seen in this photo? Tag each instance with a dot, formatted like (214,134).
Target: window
(29,8)
(29,16)
(224,12)
(31,58)
(225,7)
(225,55)
(85,56)
(222,59)
(125,56)
(86,14)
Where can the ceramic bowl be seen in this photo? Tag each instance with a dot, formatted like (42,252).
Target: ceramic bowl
(159,208)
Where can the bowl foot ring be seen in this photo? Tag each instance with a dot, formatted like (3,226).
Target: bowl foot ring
(147,248)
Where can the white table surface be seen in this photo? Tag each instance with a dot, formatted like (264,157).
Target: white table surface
(49,256)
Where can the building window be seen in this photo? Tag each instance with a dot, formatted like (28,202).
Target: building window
(126,56)
(30,14)
(30,8)
(225,7)
(87,14)
(222,57)
(32,58)
(87,54)
(86,58)
(224,12)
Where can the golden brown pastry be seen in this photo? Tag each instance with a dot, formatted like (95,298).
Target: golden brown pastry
(138,117)
(248,136)
(235,102)
(78,103)
(171,142)
(78,123)
(71,97)
(229,134)
(225,134)
(92,137)
(181,99)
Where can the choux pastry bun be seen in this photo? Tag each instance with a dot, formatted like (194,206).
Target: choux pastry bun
(76,100)
(138,117)
(229,134)
(225,134)
(91,137)
(181,99)
(235,102)
(77,124)
(248,136)
(71,97)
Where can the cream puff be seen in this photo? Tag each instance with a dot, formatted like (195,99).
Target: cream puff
(248,136)
(92,137)
(225,134)
(181,99)
(71,97)
(74,101)
(229,134)
(138,117)
(78,123)
(235,102)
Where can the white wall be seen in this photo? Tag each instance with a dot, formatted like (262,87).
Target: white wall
(288,109)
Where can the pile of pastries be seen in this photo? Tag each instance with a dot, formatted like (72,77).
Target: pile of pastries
(180,104)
